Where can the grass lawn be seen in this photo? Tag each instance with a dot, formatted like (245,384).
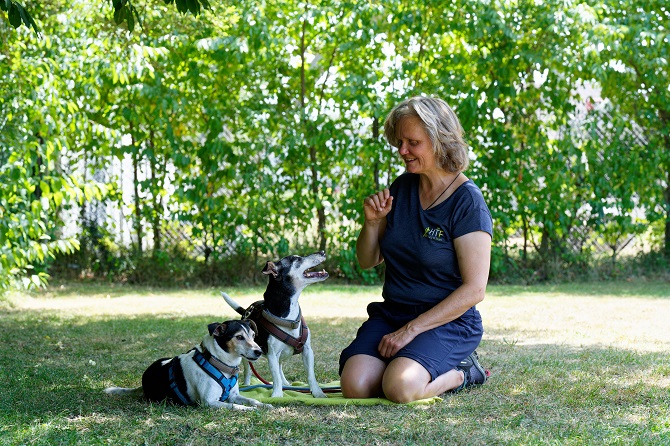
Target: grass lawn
(571,364)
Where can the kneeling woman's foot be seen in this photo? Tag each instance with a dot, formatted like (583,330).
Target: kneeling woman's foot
(473,372)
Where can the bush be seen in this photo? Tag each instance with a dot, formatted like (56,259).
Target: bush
(344,265)
(177,267)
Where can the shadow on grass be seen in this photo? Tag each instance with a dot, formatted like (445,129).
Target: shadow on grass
(53,371)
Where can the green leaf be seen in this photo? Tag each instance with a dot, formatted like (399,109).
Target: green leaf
(14,16)
(36,281)
(194,7)
(131,22)
(58,198)
(27,19)
(182,5)
(120,14)
(136,16)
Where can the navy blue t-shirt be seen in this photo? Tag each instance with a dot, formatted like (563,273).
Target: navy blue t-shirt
(418,247)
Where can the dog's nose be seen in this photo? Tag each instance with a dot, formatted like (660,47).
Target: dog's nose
(257,353)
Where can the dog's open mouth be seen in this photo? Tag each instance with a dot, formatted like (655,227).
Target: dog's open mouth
(315,274)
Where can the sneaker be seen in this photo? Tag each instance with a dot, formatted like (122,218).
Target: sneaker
(474,373)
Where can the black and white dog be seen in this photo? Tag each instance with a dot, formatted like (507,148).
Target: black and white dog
(207,374)
(282,329)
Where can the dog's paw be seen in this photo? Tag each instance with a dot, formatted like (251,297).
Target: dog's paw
(318,393)
(257,403)
(242,407)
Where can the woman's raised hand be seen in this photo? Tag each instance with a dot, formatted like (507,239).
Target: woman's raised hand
(377,206)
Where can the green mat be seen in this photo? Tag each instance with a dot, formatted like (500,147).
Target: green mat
(263,394)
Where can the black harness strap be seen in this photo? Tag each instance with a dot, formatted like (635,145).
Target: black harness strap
(179,396)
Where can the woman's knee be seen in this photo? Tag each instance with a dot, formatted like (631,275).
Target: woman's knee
(355,388)
(399,390)
(361,377)
(405,380)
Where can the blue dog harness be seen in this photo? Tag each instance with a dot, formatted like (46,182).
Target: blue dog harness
(226,383)
(177,395)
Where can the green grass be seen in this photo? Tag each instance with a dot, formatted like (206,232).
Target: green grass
(572,364)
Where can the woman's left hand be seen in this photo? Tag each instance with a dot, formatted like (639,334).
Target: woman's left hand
(393,342)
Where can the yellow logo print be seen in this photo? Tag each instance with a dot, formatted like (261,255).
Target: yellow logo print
(433,233)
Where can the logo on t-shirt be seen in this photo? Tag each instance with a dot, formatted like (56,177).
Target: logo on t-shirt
(433,233)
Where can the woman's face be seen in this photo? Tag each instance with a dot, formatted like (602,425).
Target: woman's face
(416,149)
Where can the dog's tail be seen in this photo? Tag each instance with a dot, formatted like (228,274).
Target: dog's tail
(234,305)
(122,391)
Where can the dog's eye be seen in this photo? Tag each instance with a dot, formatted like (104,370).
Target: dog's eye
(240,337)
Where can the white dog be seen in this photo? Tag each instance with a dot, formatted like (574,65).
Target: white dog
(282,329)
(205,375)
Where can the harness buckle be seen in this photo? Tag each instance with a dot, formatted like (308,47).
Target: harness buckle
(252,309)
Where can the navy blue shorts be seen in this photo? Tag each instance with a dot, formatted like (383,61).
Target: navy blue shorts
(438,350)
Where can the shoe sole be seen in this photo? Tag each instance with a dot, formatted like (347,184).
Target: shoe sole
(479,368)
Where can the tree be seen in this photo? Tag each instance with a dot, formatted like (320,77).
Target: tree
(629,52)
(258,131)
(39,115)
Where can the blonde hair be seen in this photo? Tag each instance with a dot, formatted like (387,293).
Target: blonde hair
(440,123)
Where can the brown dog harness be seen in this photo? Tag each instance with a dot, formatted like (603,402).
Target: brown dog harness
(272,324)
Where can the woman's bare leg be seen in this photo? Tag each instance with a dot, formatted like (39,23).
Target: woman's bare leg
(362,377)
(406,380)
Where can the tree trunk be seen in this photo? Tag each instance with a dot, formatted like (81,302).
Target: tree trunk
(375,137)
(320,211)
(138,204)
(666,195)
(155,216)
(664,116)
(156,186)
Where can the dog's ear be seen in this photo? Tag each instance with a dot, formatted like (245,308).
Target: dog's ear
(253,326)
(216,328)
(271,269)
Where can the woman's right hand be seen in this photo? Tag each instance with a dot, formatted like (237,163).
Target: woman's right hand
(377,206)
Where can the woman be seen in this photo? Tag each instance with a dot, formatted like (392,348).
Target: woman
(433,230)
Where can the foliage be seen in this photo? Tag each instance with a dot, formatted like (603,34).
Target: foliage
(630,52)
(255,131)
(35,185)
(17,15)
(27,194)
(124,12)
